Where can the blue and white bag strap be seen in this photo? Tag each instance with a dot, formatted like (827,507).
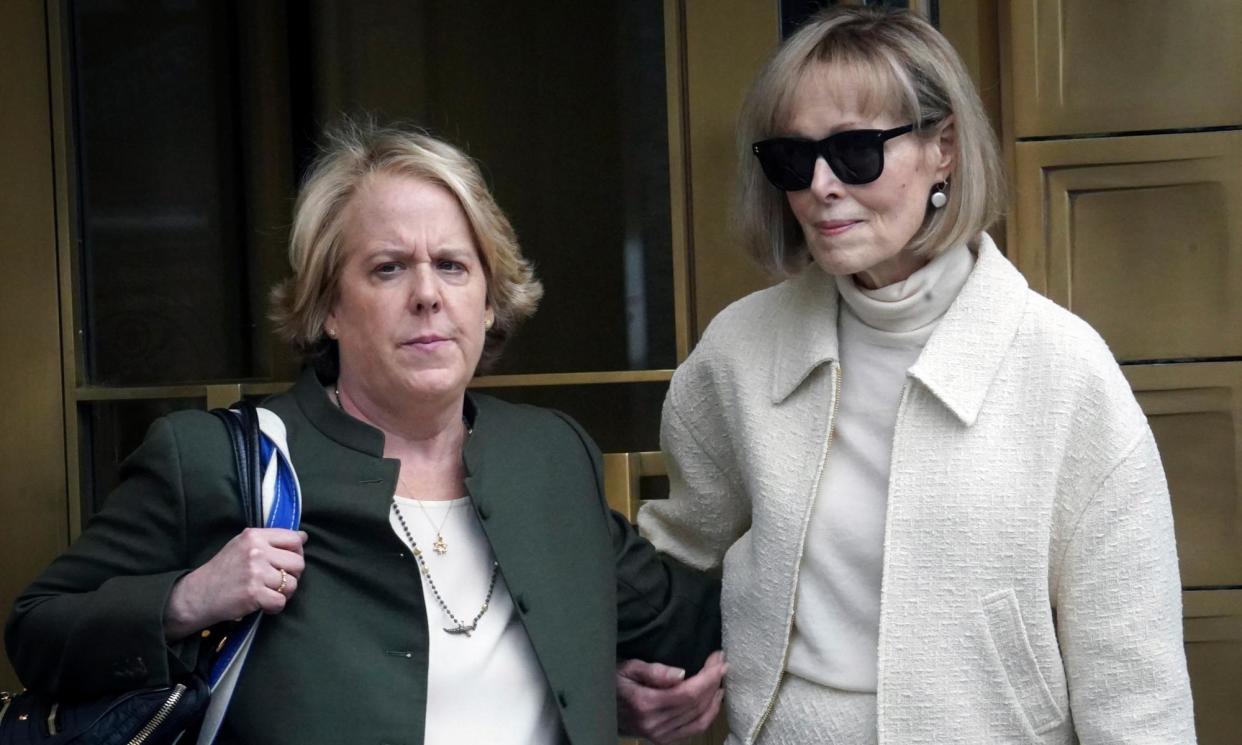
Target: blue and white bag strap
(282,508)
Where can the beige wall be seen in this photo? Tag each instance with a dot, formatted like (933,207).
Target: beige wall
(33,496)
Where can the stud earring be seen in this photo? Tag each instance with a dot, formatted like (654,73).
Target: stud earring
(487,324)
(330,332)
(938,197)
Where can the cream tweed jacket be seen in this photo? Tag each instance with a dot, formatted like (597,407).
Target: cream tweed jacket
(1030,585)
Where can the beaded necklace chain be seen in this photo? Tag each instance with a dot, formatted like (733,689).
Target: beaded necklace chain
(459,628)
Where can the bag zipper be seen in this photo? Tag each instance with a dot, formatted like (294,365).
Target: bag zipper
(169,704)
(6,699)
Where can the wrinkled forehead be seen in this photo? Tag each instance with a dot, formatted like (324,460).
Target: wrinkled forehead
(867,87)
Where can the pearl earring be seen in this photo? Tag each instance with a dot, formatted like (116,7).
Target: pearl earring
(938,197)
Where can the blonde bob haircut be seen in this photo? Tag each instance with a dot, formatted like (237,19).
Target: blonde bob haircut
(909,71)
(353,153)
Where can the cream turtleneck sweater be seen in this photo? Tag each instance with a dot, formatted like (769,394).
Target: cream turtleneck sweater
(881,333)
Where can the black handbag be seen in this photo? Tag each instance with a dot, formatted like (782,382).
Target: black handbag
(147,716)
(151,716)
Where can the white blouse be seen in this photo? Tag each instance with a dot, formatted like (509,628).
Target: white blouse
(882,332)
(486,687)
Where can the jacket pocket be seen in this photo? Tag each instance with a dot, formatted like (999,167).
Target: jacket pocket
(1013,647)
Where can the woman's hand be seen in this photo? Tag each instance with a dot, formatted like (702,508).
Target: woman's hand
(660,703)
(257,570)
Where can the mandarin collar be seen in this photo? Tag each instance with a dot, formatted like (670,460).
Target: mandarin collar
(344,429)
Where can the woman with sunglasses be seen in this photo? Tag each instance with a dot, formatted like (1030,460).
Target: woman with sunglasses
(938,510)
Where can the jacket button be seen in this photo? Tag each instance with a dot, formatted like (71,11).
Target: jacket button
(560,699)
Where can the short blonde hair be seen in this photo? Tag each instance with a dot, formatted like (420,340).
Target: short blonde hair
(912,72)
(354,152)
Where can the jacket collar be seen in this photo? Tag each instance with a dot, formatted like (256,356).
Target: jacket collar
(342,428)
(805,324)
(970,343)
(961,358)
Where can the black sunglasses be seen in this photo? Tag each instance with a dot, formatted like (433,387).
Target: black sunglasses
(856,156)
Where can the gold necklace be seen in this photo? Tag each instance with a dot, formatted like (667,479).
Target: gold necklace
(440,546)
(458,627)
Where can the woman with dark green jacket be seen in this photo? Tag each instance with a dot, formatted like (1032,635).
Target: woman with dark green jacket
(458,576)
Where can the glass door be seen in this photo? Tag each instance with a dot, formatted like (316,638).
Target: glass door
(191,122)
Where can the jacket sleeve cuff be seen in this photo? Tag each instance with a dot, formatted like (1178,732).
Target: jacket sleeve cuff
(125,647)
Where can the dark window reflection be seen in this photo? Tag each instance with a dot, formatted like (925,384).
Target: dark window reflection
(193,119)
(159,204)
(563,102)
(622,417)
(795,12)
(111,430)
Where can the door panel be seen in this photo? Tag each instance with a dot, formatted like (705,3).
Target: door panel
(1195,411)
(1213,629)
(1090,66)
(34,518)
(1141,236)
(727,42)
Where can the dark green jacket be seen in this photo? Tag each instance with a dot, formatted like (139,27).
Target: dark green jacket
(347,659)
